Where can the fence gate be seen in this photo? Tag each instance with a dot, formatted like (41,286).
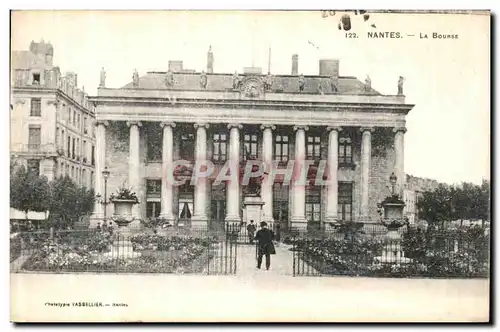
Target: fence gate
(222,258)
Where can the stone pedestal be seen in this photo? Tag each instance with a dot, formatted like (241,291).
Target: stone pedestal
(122,246)
(252,209)
(393,251)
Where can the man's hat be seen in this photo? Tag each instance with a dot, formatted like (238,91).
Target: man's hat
(263,223)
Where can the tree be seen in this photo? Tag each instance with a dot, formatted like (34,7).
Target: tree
(69,202)
(467,201)
(435,206)
(28,191)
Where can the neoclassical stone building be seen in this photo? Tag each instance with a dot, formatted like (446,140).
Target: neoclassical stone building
(162,117)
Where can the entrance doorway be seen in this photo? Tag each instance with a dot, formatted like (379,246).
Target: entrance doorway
(186,204)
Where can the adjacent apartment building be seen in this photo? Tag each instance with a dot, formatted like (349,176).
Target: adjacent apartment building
(414,187)
(52,119)
(161,117)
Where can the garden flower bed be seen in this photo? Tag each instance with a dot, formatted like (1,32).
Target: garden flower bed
(159,254)
(15,246)
(457,254)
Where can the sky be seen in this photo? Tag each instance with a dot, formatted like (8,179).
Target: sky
(448,80)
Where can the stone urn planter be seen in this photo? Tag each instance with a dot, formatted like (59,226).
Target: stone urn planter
(123,203)
(123,207)
(391,212)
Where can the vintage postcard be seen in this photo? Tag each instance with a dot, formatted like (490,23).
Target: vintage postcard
(246,166)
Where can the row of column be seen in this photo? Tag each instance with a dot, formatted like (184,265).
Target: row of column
(298,217)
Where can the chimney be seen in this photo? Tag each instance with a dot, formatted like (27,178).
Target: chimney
(295,64)
(329,67)
(252,70)
(210,61)
(175,66)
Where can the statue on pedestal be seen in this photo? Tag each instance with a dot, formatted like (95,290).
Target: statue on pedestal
(169,79)
(203,80)
(102,83)
(268,82)
(368,83)
(236,81)
(302,82)
(320,89)
(400,85)
(333,86)
(135,78)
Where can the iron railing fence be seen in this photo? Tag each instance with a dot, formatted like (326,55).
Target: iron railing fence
(193,250)
(460,253)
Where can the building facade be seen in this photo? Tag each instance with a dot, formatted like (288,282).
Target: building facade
(413,189)
(163,117)
(52,130)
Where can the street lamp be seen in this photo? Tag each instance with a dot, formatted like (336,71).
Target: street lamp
(393,179)
(105,175)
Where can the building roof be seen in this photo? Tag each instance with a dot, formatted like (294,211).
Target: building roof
(223,82)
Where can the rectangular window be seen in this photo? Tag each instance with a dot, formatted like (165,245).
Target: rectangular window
(36,107)
(187,146)
(153,188)
(153,209)
(84,151)
(92,156)
(69,146)
(345,151)
(34,138)
(344,209)
(280,202)
(73,149)
(281,148)
(313,147)
(313,205)
(220,147)
(85,129)
(154,145)
(34,166)
(250,143)
(36,78)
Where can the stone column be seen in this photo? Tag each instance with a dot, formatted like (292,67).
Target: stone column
(134,163)
(399,169)
(366,150)
(267,185)
(333,162)
(167,160)
(233,187)
(298,218)
(200,218)
(100,163)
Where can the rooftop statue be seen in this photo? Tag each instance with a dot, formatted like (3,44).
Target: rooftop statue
(135,78)
(203,80)
(102,83)
(368,83)
(333,84)
(268,82)
(169,79)
(302,82)
(236,81)
(320,89)
(400,85)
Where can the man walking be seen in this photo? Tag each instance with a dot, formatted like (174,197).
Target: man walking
(251,231)
(265,245)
